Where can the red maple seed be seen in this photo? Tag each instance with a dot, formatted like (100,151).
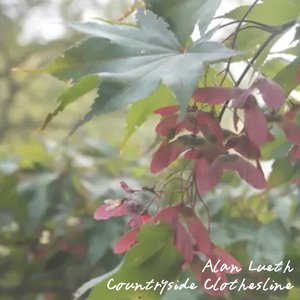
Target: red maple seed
(207,176)
(111,208)
(255,123)
(226,259)
(169,215)
(200,234)
(126,188)
(126,241)
(291,129)
(138,220)
(168,124)
(167,111)
(271,92)
(243,145)
(216,95)
(183,243)
(207,279)
(165,155)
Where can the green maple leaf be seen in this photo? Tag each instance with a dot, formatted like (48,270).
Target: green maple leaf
(183,15)
(154,257)
(133,61)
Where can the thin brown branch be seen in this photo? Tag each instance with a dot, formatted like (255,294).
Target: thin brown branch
(234,40)
(277,30)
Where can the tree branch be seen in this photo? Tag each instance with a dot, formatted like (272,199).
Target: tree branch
(235,37)
(276,31)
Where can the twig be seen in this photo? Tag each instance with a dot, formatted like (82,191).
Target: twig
(263,26)
(236,35)
(260,50)
(277,30)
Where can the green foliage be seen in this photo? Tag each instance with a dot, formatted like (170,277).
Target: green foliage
(142,110)
(269,243)
(49,195)
(154,257)
(282,12)
(287,76)
(129,74)
(282,172)
(182,16)
(47,235)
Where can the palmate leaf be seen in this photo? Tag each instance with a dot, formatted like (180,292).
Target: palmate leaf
(133,62)
(183,15)
(85,85)
(154,257)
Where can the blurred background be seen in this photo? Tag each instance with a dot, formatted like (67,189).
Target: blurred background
(50,185)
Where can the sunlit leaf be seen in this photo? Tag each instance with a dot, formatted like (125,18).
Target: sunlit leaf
(139,112)
(287,77)
(182,16)
(282,172)
(282,12)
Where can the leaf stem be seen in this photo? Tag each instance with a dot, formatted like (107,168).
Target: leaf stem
(263,26)
(242,29)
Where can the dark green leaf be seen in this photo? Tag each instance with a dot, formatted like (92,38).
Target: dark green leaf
(133,61)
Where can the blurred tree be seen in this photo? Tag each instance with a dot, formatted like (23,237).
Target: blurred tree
(38,259)
(49,243)
(32,36)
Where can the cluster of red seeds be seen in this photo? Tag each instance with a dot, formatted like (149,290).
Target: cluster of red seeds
(191,238)
(215,149)
(198,138)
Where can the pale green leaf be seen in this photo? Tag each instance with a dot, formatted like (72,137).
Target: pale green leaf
(140,111)
(286,78)
(250,39)
(182,16)
(282,172)
(282,12)
(273,66)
